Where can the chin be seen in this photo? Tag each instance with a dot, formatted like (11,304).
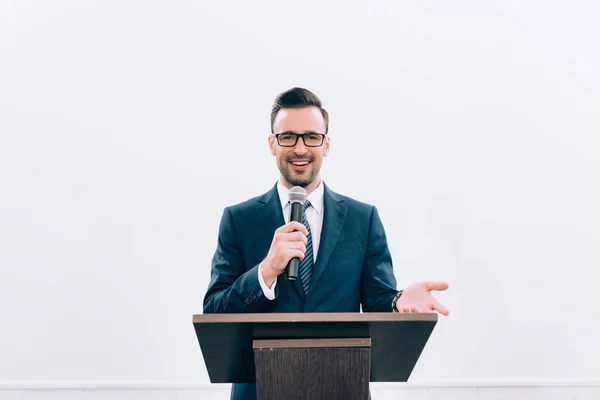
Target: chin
(302,180)
(298,182)
(302,184)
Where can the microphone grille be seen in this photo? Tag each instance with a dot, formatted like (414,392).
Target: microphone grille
(297,195)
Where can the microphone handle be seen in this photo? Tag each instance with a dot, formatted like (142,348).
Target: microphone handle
(291,271)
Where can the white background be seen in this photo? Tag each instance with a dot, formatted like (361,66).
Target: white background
(127,126)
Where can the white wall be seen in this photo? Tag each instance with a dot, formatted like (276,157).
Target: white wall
(126,127)
(404,391)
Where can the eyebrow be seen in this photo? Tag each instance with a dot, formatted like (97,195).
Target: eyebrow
(295,133)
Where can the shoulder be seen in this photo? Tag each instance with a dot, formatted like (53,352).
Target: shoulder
(352,203)
(252,203)
(244,205)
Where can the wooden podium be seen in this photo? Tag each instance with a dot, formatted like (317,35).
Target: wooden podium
(312,355)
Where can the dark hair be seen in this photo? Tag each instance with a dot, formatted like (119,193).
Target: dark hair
(298,98)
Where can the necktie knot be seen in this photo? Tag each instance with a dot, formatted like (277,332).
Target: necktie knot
(306,204)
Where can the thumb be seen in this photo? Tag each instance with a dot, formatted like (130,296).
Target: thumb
(429,286)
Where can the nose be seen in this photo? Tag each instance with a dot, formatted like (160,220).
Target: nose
(300,147)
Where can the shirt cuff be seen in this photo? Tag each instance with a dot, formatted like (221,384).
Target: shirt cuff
(268,292)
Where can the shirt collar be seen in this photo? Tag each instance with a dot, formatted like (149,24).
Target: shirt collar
(315,197)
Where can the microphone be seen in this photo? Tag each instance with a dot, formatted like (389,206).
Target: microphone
(297,197)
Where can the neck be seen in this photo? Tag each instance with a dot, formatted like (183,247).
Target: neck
(309,189)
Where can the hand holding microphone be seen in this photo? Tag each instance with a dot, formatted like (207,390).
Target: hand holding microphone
(289,242)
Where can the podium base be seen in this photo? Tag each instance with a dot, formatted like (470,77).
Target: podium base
(302,369)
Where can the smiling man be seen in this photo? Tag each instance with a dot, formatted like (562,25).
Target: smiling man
(299,160)
(340,237)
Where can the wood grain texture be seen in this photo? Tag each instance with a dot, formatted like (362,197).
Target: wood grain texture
(312,373)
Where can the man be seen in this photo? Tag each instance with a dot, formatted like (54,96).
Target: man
(345,263)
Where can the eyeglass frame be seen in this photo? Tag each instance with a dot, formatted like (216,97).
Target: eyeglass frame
(300,135)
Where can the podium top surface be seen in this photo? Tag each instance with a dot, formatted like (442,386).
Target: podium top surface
(312,317)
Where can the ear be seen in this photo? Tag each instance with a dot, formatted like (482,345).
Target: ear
(272,144)
(326,146)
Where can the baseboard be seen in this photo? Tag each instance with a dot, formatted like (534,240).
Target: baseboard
(183,385)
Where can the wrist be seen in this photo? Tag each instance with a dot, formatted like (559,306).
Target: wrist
(395,301)
(267,275)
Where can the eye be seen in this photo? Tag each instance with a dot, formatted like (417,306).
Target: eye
(287,136)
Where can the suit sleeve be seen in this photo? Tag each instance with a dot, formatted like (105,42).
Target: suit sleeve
(232,288)
(378,281)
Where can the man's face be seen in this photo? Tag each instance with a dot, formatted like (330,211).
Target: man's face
(299,165)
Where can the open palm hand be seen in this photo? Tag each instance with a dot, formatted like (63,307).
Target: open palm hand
(418,298)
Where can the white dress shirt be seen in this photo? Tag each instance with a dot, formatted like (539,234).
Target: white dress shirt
(314,217)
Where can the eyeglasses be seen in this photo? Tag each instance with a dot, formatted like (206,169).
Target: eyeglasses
(289,139)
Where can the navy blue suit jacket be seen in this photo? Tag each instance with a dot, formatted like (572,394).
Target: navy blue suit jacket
(353,266)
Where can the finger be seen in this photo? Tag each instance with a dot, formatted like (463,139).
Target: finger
(436,286)
(414,308)
(297,246)
(293,226)
(295,237)
(295,253)
(439,307)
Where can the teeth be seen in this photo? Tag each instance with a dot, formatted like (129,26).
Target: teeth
(300,163)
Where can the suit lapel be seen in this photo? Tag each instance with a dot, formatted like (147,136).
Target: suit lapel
(271,218)
(333,221)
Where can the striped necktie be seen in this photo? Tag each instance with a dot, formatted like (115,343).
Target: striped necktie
(305,268)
